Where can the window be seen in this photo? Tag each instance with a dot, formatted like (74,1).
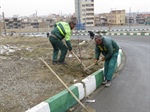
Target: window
(88,0)
(89,5)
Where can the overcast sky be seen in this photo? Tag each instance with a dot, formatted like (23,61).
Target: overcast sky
(46,7)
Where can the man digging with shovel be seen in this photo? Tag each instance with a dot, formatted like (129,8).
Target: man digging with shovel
(62,30)
(109,49)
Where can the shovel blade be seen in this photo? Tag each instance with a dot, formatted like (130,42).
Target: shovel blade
(90,101)
(88,109)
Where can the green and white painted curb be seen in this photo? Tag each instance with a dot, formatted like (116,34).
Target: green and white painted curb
(119,57)
(62,101)
(138,32)
(125,34)
(92,82)
(41,107)
(113,30)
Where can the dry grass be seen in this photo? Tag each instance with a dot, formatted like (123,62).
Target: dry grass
(27,78)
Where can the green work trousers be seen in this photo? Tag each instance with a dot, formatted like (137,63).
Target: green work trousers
(110,66)
(58,45)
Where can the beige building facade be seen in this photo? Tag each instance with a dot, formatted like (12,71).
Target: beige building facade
(84,11)
(116,17)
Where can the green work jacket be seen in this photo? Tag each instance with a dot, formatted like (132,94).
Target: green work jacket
(107,48)
(62,30)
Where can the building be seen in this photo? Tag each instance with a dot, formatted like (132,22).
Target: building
(146,18)
(116,17)
(147,21)
(84,11)
(101,19)
(14,22)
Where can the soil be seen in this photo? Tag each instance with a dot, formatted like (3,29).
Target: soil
(24,79)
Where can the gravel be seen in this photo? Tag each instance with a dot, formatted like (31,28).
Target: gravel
(25,81)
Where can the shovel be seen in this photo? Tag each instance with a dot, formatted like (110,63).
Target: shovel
(87,109)
(79,60)
(91,65)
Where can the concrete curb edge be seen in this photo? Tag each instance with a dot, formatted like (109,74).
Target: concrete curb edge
(62,101)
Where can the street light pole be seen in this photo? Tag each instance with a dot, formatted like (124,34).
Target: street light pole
(0,23)
(85,18)
(37,22)
(79,20)
(111,23)
(129,17)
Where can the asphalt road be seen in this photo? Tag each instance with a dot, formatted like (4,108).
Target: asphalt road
(119,27)
(130,90)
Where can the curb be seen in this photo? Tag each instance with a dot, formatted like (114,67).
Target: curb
(145,29)
(131,34)
(62,101)
(142,32)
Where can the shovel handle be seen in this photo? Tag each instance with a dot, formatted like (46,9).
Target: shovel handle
(79,59)
(91,65)
(64,85)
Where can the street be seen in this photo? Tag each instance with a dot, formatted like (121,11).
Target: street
(130,90)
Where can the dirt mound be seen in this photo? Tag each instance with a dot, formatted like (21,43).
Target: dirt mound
(26,81)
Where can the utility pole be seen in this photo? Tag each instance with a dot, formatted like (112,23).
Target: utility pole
(85,18)
(0,23)
(79,21)
(4,24)
(37,25)
(110,21)
(129,17)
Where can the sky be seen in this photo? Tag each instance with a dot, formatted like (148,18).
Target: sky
(46,7)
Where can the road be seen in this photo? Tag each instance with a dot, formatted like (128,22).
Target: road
(130,90)
(119,27)
(133,28)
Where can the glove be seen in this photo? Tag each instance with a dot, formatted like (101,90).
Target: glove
(71,52)
(95,61)
(103,59)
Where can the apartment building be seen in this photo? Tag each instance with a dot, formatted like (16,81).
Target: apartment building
(116,17)
(13,23)
(101,19)
(143,18)
(138,18)
(84,11)
(33,21)
(147,21)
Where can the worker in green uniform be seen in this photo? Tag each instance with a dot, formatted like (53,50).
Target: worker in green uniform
(109,49)
(62,30)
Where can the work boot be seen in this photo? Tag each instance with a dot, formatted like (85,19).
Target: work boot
(54,62)
(108,84)
(104,82)
(62,63)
